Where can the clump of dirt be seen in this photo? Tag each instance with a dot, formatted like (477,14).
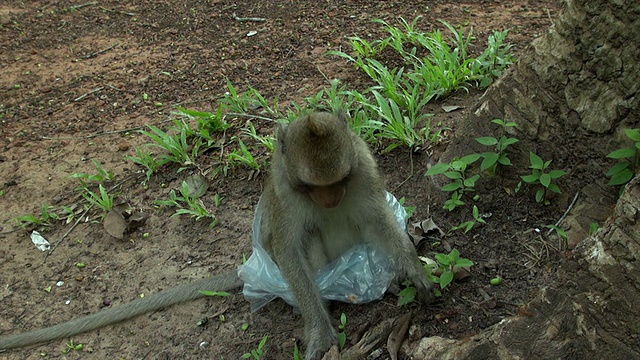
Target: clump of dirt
(80,77)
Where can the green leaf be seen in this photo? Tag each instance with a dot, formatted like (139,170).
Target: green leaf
(437,169)
(453,175)
(633,134)
(622,153)
(463,263)
(505,161)
(487,140)
(530,179)
(508,141)
(471,182)
(545,180)
(407,295)
(446,278)
(470,159)
(539,195)
(490,159)
(557,173)
(452,186)
(443,259)
(536,161)
(621,178)
(555,188)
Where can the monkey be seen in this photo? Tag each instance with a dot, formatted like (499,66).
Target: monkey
(324,194)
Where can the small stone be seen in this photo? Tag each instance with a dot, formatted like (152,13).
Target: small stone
(123,146)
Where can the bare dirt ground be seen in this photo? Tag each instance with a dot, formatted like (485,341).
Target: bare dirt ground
(72,82)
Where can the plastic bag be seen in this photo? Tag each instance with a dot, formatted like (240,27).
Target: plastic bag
(360,275)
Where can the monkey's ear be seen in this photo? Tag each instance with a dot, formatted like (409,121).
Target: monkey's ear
(281,133)
(343,116)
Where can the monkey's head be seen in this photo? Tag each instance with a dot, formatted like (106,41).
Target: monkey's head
(318,156)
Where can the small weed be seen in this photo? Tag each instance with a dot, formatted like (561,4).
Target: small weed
(622,172)
(46,215)
(243,156)
(468,225)
(409,209)
(540,176)
(147,160)
(268,141)
(213,293)
(460,183)
(593,227)
(500,156)
(71,346)
(408,294)
(560,231)
(342,335)
(176,145)
(101,176)
(101,200)
(195,208)
(447,264)
(296,352)
(257,353)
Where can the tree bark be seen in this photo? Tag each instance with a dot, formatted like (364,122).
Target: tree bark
(578,82)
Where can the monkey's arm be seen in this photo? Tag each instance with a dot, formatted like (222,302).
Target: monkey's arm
(181,293)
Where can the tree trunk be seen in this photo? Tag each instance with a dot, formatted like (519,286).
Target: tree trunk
(578,83)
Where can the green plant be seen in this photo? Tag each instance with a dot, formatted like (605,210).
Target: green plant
(446,265)
(102,200)
(147,160)
(257,353)
(408,294)
(243,156)
(468,225)
(213,293)
(560,231)
(543,176)
(460,182)
(500,156)
(409,209)
(46,215)
(195,208)
(207,123)
(177,146)
(72,346)
(342,335)
(623,171)
(268,141)
(102,175)
(296,352)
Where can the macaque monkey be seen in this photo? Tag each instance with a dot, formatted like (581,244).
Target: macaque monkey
(324,195)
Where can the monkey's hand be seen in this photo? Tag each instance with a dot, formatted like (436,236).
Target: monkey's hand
(319,341)
(424,287)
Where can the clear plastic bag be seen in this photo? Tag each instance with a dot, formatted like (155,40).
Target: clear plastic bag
(360,275)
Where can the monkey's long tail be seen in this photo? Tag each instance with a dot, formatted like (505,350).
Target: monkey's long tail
(181,293)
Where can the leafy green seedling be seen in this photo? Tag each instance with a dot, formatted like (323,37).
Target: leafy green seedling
(195,208)
(102,175)
(268,141)
(622,172)
(447,265)
(408,294)
(542,177)
(593,227)
(46,215)
(243,156)
(213,293)
(257,353)
(496,281)
(468,225)
(500,156)
(103,200)
(146,159)
(72,346)
(342,335)
(460,183)
(409,209)
(560,231)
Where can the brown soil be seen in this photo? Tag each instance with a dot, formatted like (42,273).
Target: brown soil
(73,79)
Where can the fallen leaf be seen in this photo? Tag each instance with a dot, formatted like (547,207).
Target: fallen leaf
(450,108)
(420,229)
(198,185)
(114,224)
